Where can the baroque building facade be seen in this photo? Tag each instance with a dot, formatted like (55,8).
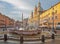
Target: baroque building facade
(47,18)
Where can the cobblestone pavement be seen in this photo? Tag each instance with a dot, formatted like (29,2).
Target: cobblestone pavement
(57,41)
(48,41)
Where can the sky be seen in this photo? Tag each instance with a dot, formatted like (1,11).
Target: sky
(15,8)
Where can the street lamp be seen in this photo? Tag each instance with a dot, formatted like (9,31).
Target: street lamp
(53,25)
(48,23)
(5,35)
(5,24)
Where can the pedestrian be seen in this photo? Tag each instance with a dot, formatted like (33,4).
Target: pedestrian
(43,38)
(5,37)
(21,39)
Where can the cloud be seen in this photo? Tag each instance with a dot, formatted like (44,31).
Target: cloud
(12,11)
(15,12)
(2,6)
(14,8)
(19,4)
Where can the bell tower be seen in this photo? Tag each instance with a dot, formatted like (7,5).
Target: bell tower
(38,8)
(38,13)
(35,10)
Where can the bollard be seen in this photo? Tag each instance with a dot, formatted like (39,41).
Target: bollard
(21,40)
(53,36)
(5,37)
(43,38)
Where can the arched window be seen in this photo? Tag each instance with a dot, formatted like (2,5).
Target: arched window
(55,17)
(55,11)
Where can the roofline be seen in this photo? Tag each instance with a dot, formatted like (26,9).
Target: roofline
(51,7)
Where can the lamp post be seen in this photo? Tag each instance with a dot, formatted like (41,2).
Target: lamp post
(5,35)
(5,24)
(48,24)
(53,25)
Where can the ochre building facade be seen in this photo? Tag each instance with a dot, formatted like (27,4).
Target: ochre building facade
(47,17)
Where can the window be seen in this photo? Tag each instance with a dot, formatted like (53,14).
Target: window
(45,23)
(55,17)
(48,18)
(2,20)
(56,12)
(53,8)
(2,24)
(52,13)
(50,23)
(59,23)
(52,18)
